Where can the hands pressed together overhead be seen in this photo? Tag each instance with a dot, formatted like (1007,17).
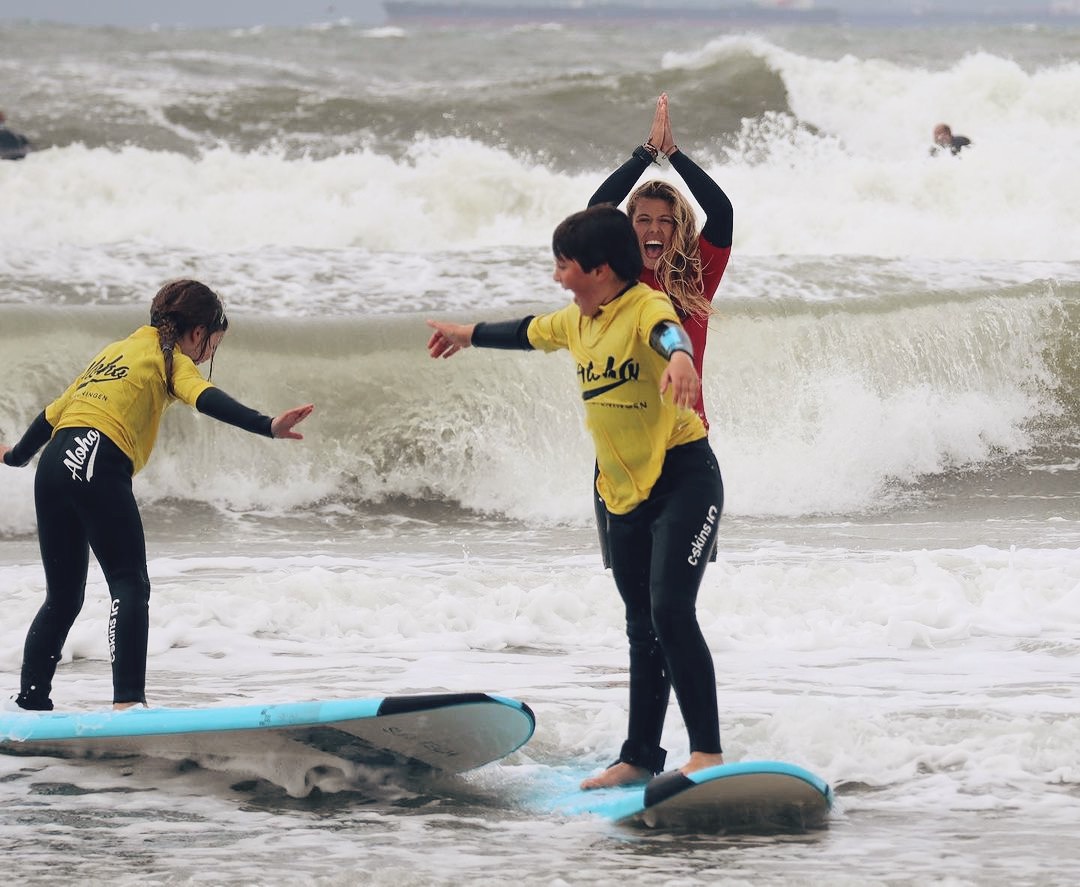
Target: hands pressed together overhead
(660,136)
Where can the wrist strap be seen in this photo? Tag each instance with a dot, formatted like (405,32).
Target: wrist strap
(646,152)
(667,337)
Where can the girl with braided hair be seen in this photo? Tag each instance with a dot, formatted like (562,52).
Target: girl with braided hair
(97,435)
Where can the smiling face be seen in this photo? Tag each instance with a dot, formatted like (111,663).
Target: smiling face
(588,295)
(596,256)
(654,225)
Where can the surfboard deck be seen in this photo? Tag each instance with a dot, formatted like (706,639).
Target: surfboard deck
(450,733)
(759,796)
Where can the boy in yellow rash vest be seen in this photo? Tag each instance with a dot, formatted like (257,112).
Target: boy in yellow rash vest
(97,435)
(657,474)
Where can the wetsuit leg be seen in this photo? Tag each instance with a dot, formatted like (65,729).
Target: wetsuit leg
(688,500)
(65,556)
(631,548)
(119,544)
(91,479)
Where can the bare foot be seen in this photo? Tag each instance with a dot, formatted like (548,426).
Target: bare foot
(123,706)
(618,774)
(699,760)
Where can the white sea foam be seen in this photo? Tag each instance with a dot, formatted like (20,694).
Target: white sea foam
(794,193)
(879,640)
(448,193)
(845,407)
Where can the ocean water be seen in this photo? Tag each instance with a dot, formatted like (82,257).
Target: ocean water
(892,380)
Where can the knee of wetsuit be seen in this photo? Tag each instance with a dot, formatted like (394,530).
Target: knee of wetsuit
(129,583)
(640,632)
(670,617)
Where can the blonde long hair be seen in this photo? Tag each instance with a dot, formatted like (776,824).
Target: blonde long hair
(678,270)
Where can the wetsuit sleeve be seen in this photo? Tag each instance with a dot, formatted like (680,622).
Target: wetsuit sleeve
(719,213)
(619,183)
(512,334)
(216,404)
(36,436)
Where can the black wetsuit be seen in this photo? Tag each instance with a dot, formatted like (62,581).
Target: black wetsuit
(13,146)
(658,549)
(955,146)
(659,552)
(84,503)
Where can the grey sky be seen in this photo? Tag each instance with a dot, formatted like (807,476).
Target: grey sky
(248,13)
(192,13)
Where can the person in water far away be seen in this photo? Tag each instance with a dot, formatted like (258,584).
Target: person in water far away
(945,140)
(13,145)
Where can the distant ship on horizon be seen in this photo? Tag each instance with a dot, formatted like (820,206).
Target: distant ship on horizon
(470,11)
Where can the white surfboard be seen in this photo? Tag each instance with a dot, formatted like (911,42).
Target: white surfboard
(449,732)
(756,796)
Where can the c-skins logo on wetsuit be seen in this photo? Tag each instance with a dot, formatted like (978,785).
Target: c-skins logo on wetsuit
(614,376)
(700,543)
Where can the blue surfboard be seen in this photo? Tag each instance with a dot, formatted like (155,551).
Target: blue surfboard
(759,796)
(446,732)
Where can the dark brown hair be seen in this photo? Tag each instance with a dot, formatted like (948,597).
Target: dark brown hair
(599,235)
(181,306)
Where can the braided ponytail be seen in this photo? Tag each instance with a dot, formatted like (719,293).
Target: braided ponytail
(180,306)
